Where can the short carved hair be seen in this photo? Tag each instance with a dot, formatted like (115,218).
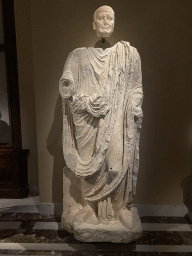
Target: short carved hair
(106,7)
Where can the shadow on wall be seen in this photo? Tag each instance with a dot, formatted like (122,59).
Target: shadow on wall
(186,185)
(54,146)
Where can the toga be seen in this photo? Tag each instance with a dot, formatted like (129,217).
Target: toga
(102,121)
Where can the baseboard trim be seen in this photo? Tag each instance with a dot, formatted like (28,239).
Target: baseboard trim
(50,208)
(143,209)
(162,210)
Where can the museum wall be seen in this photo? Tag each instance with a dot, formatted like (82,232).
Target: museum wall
(26,85)
(161,31)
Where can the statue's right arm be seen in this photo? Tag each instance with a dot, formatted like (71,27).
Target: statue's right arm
(66,83)
(66,88)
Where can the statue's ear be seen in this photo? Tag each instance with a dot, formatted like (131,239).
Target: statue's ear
(94,26)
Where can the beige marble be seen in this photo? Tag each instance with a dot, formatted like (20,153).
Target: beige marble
(114,232)
(72,198)
(102,97)
(104,21)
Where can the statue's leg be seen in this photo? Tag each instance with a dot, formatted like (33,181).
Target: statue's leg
(85,145)
(114,154)
(105,211)
(114,162)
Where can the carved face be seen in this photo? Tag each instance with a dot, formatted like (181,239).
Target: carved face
(104,22)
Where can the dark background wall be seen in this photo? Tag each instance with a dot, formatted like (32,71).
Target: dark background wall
(161,30)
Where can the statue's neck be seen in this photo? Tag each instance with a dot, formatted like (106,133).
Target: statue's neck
(102,44)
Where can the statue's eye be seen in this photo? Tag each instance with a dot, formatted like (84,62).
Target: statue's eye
(101,17)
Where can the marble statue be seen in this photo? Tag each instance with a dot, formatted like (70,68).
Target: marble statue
(102,97)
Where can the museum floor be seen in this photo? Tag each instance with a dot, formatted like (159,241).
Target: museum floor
(23,231)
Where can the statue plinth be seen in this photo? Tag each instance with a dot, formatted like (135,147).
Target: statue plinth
(108,231)
(113,232)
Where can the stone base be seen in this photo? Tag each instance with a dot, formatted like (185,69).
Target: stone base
(113,232)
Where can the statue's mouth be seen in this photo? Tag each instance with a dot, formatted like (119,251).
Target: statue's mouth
(105,28)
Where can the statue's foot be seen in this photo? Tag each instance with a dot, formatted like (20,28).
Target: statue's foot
(125,217)
(85,215)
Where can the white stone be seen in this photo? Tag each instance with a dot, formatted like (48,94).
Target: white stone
(113,232)
(104,21)
(102,97)
(72,199)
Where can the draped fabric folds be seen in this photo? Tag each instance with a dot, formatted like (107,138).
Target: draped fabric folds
(99,89)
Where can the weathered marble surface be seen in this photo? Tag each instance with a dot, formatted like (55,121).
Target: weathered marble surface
(113,232)
(72,198)
(102,97)
(103,21)
(88,232)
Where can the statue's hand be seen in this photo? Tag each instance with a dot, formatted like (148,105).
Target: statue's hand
(137,111)
(97,105)
(95,99)
(98,100)
(137,100)
(78,104)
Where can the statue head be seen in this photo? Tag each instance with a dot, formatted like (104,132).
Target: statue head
(104,21)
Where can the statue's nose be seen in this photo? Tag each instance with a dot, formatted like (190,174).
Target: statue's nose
(105,20)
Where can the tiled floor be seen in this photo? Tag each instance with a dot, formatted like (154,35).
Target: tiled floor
(23,231)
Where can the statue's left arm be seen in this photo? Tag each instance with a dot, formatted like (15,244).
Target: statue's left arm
(137,115)
(137,93)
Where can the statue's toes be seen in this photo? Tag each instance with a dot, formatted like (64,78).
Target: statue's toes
(125,217)
(92,219)
(82,216)
(79,218)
